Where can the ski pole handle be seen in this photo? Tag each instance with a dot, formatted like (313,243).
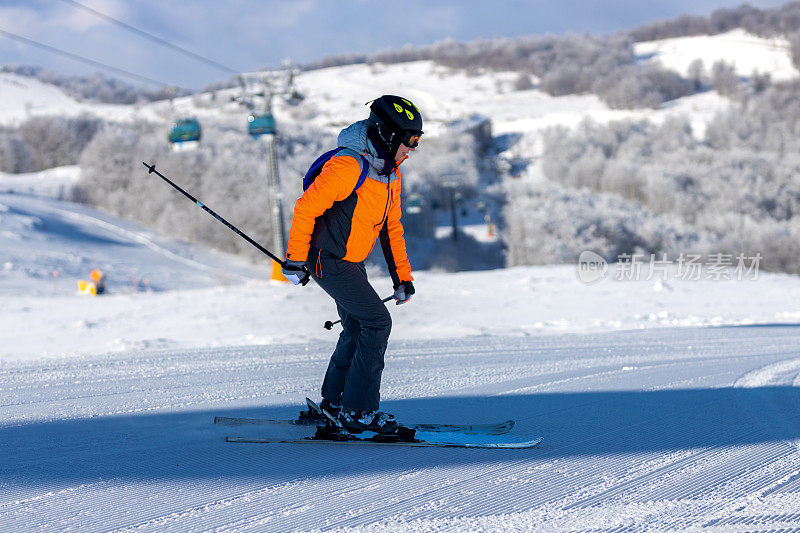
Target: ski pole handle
(329,325)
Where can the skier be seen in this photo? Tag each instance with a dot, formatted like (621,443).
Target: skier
(335,226)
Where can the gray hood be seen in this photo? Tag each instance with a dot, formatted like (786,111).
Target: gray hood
(355,138)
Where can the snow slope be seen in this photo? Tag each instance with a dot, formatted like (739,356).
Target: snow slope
(650,423)
(746,52)
(165,294)
(23,97)
(644,430)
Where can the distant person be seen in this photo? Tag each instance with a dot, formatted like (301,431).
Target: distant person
(336,223)
(96,285)
(99,280)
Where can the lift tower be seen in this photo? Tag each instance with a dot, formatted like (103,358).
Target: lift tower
(264,86)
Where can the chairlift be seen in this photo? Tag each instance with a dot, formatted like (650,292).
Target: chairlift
(261,124)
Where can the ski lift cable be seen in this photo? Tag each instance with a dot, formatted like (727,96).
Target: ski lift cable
(152,37)
(92,62)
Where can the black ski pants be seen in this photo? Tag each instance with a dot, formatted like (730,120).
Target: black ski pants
(353,378)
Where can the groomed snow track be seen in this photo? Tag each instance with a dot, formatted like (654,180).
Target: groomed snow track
(665,429)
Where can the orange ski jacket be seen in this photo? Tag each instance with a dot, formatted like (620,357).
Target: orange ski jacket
(331,216)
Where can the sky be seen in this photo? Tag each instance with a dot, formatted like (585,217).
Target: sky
(247,35)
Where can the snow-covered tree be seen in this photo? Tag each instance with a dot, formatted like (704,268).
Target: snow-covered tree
(736,189)
(15,156)
(724,78)
(55,141)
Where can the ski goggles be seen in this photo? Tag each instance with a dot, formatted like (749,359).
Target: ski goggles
(411,139)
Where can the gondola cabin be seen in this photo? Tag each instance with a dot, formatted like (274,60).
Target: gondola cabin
(262,124)
(185,130)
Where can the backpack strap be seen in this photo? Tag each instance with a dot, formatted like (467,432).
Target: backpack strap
(364,170)
(316,167)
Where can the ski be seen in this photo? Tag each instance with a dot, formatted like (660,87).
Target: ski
(314,416)
(498,428)
(513,445)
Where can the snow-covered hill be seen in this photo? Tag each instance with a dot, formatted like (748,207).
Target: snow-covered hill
(336,96)
(747,53)
(23,97)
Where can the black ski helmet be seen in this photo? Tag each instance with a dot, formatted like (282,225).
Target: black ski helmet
(397,120)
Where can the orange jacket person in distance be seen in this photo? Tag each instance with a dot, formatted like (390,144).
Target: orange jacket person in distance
(335,226)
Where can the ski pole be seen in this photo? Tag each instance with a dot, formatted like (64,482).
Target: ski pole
(329,325)
(152,169)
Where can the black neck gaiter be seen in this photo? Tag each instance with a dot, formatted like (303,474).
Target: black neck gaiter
(378,143)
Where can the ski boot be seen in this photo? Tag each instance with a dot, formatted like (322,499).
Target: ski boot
(316,413)
(350,423)
(357,421)
(327,406)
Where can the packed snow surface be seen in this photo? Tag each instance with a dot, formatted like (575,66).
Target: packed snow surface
(664,404)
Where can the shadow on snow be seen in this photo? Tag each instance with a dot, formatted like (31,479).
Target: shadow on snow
(187,445)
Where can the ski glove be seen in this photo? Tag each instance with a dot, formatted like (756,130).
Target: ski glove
(403,292)
(295,271)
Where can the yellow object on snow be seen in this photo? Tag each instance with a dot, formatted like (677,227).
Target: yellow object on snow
(87,287)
